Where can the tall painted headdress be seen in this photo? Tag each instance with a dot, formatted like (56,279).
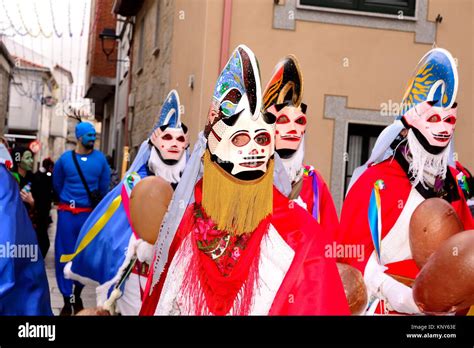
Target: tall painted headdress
(238,133)
(435,79)
(286,85)
(283,98)
(434,83)
(236,98)
(170,140)
(170,113)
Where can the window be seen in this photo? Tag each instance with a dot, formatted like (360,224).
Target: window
(360,142)
(394,7)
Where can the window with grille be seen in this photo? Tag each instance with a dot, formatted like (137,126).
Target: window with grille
(360,142)
(395,7)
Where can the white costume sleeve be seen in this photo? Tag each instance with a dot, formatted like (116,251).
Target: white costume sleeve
(144,251)
(381,285)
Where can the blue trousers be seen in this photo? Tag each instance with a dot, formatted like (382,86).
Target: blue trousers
(68,228)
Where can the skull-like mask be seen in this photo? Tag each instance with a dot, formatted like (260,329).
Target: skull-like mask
(282,98)
(290,126)
(240,137)
(170,142)
(169,136)
(434,124)
(429,106)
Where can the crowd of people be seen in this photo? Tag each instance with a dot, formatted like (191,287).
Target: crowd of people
(242,225)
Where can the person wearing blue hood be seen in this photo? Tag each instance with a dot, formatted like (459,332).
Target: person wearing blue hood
(24,286)
(80,178)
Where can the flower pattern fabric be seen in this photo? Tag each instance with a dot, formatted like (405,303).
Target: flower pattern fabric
(222,247)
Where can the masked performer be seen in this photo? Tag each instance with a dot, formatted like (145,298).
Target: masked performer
(107,242)
(241,248)
(24,287)
(283,98)
(408,165)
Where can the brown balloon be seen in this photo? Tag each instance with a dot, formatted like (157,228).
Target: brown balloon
(446,282)
(354,287)
(97,311)
(148,204)
(432,222)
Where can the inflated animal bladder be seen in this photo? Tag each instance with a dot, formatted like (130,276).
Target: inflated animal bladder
(432,223)
(148,205)
(446,283)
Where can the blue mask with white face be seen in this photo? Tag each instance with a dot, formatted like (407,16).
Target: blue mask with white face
(88,140)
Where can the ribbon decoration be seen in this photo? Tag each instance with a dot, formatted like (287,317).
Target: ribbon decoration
(94,231)
(130,181)
(375,217)
(309,171)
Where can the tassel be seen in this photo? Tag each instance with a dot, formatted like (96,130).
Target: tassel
(424,166)
(236,206)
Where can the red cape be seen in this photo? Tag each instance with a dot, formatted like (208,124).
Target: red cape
(312,285)
(354,226)
(327,211)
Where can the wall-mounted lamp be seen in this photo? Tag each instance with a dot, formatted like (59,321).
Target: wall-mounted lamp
(108,40)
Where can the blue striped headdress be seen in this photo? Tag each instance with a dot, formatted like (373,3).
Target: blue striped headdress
(435,79)
(170,114)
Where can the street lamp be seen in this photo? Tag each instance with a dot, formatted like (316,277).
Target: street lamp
(108,40)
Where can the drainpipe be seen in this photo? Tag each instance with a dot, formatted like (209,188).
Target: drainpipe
(128,122)
(225,34)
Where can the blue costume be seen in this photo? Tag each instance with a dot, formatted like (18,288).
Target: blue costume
(107,242)
(24,286)
(75,206)
(67,182)
(101,247)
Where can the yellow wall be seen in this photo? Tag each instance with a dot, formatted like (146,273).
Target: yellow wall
(196,47)
(456,33)
(380,63)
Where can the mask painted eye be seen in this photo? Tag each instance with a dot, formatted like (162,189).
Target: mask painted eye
(167,137)
(181,139)
(450,120)
(282,119)
(434,118)
(241,139)
(263,139)
(301,120)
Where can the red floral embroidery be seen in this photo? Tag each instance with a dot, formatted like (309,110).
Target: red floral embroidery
(223,248)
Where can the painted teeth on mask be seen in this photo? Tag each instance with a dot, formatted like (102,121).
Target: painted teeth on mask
(254,158)
(442,137)
(252,164)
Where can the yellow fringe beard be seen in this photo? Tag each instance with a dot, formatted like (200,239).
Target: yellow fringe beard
(236,206)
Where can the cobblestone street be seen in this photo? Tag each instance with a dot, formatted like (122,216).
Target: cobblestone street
(88,294)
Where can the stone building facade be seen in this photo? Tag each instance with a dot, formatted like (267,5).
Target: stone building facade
(151,68)
(6,66)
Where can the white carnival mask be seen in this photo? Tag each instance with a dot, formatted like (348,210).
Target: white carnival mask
(290,127)
(429,103)
(247,145)
(283,98)
(170,142)
(436,124)
(169,135)
(239,135)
